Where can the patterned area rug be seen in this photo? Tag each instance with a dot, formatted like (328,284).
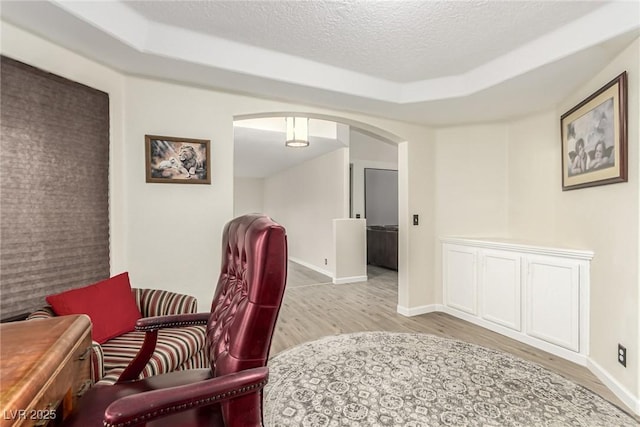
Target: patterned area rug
(396,379)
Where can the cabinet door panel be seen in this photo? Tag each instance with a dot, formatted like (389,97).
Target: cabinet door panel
(500,288)
(553,301)
(460,278)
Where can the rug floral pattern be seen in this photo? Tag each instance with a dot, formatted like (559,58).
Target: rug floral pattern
(398,379)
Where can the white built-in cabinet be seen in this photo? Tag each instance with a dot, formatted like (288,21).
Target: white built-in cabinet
(536,294)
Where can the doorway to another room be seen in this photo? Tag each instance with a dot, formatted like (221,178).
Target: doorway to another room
(381,212)
(318,191)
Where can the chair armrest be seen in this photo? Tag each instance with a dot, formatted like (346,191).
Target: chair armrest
(97,362)
(150,326)
(143,407)
(172,321)
(42,313)
(158,302)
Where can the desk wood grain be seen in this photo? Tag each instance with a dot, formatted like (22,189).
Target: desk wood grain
(42,364)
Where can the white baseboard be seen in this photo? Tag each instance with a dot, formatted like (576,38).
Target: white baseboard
(335,280)
(352,279)
(618,389)
(312,267)
(416,311)
(632,403)
(572,356)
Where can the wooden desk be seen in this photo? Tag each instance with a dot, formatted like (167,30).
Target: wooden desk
(44,366)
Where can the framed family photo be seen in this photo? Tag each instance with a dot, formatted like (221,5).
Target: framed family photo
(594,138)
(177,160)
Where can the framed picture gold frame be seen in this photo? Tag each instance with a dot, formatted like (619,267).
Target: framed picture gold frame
(594,138)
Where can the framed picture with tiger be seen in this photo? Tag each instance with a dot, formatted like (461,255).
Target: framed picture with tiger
(177,160)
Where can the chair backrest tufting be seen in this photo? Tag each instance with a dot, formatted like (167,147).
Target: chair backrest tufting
(249,294)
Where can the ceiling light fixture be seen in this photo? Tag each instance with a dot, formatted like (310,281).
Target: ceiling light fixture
(297,132)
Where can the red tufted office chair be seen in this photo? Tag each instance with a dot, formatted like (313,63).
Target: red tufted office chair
(239,331)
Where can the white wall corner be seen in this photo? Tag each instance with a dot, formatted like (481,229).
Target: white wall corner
(618,389)
(416,311)
(312,267)
(353,279)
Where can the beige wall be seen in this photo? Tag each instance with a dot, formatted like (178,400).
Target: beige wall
(503,180)
(306,199)
(534,176)
(604,219)
(350,247)
(248,195)
(471,185)
(471,176)
(174,231)
(416,252)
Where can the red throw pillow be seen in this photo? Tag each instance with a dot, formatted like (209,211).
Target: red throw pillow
(109,303)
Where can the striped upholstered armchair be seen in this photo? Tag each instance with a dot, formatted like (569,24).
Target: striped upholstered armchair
(176,349)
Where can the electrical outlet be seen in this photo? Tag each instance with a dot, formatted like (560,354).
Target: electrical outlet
(622,355)
(415,219)
(325,261)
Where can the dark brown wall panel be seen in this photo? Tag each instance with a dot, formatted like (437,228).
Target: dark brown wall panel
(54,186)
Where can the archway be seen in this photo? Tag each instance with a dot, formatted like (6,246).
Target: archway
(403,208)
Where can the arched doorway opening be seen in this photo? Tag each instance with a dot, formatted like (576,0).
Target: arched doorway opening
(352,207)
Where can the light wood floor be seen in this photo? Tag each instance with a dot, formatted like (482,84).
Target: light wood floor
(314,307)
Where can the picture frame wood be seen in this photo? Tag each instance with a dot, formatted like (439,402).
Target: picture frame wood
(594,138)
(177,160)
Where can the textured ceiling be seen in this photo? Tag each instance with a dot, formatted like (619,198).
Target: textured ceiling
(401,41)
(434,63)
